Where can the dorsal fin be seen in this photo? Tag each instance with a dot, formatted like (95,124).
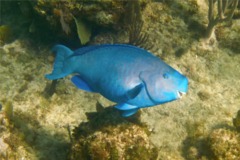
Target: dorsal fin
(86,49)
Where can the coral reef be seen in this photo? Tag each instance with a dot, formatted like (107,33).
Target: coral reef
(109,136)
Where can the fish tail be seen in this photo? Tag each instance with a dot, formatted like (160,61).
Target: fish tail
(60,68)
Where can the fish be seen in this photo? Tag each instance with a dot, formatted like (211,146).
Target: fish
(130,76)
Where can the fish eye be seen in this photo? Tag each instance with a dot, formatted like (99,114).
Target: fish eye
(165,76)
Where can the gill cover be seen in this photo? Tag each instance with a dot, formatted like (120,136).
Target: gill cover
(157,86)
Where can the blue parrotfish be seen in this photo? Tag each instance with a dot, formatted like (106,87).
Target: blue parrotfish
(128,75)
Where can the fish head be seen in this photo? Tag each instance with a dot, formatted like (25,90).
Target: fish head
(164,85)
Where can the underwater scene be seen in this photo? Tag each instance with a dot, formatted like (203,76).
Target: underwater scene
(119,80)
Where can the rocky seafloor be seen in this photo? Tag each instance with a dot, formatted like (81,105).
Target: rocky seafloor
(73,124)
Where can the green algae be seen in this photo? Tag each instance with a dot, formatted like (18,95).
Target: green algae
(28,77)
(84,32)
(137,152)
(8,109)
(5,34)
(23,88)
(236,121)
(203,95)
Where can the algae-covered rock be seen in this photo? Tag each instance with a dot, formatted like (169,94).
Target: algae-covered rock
(65,21)
(219,144)
(109,136)
(224,144)
(83,18)
(104,13)
(228,36)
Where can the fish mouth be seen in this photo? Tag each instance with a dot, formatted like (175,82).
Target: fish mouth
(180,94)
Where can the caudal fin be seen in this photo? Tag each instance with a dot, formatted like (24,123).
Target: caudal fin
(60,67)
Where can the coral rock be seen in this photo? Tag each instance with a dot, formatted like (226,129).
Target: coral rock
(108,136)
(225,144)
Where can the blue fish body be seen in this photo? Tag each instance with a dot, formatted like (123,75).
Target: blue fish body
(130,76)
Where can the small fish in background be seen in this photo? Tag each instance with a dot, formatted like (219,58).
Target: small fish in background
(128,75)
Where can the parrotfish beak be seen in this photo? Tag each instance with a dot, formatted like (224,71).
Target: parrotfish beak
(180,94)
(182,88)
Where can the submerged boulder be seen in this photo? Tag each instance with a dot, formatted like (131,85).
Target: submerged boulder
(224,144)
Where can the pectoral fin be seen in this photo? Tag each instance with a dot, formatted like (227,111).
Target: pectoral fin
(125,106)
(130,112)
(131,94)
(127,109)
(81,84)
